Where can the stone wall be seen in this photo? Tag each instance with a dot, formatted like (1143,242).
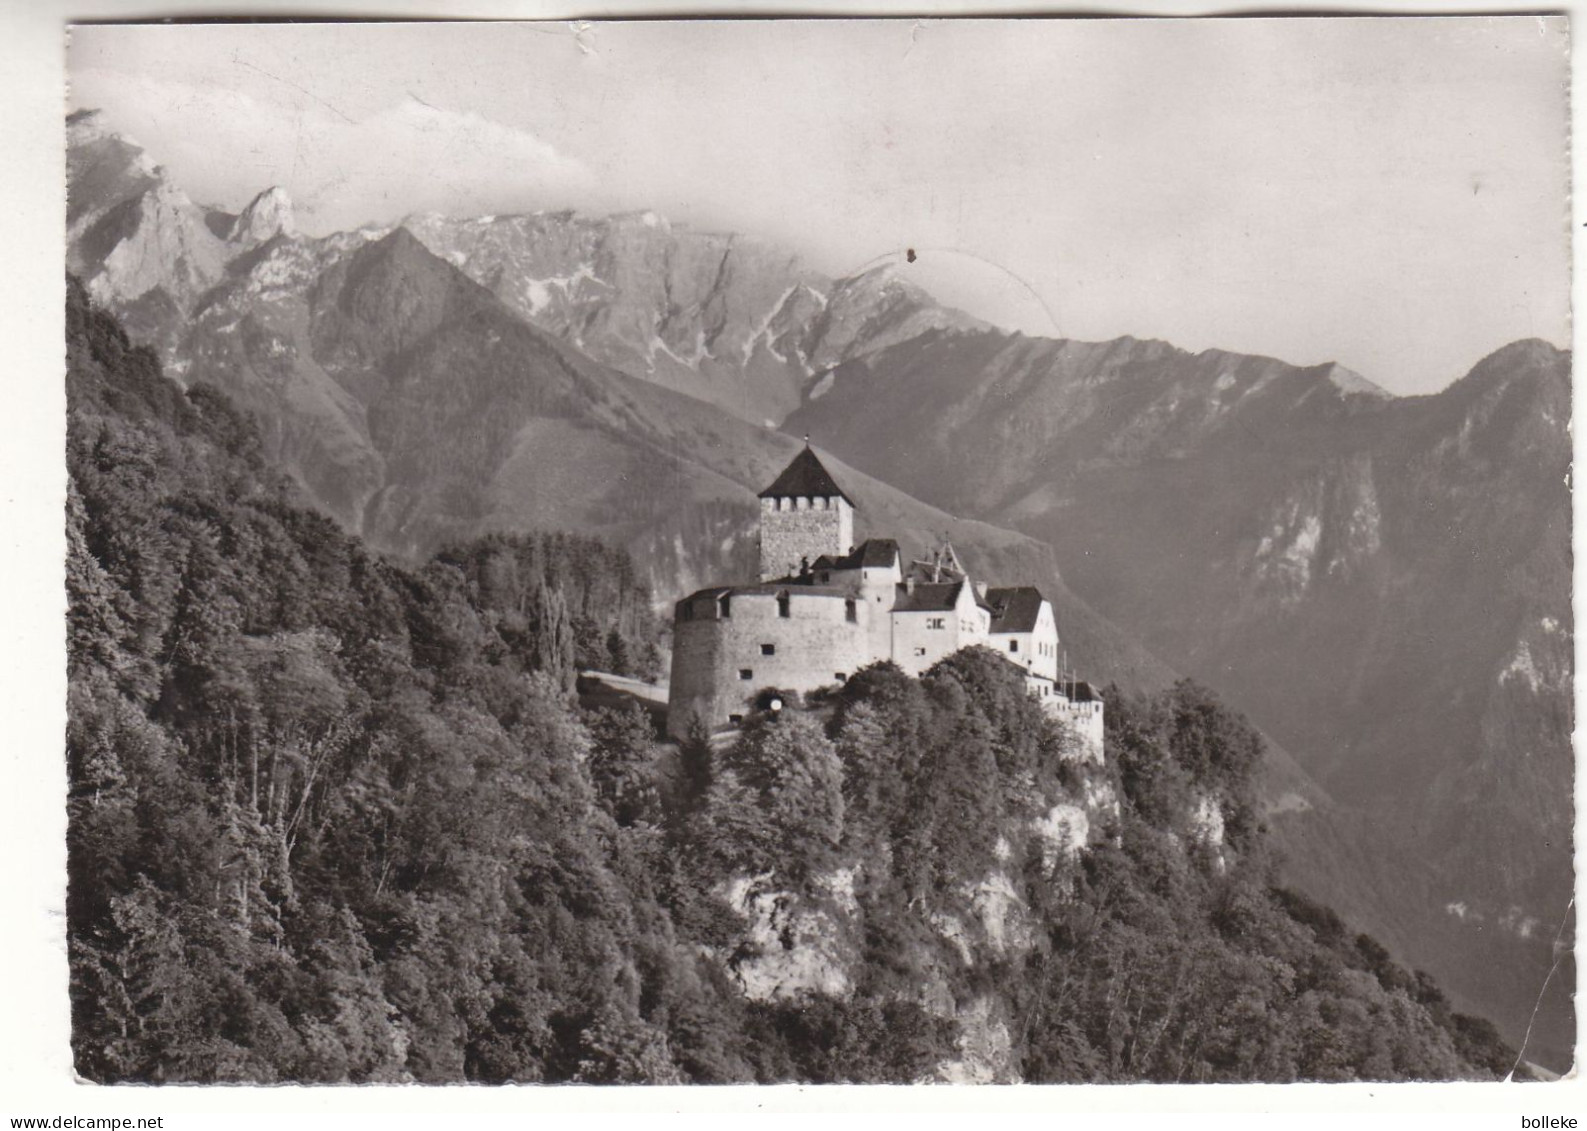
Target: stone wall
(878,589)
(1085,721)
(816,645)
(801,530)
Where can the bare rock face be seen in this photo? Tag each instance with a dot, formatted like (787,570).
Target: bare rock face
(154,241)
(797,948)
(797,942)
(141,246)
(985,1046)
(103,169)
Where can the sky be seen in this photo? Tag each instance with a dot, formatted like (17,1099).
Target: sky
(1389,194)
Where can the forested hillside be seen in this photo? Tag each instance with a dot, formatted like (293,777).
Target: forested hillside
(335,819)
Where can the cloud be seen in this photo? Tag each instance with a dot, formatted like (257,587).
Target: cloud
(341,169)
(460,161)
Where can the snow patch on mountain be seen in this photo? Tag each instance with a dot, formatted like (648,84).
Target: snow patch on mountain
(762,330)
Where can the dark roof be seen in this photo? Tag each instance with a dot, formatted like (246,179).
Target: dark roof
(1079,691)
(806,478)
(868,554)
(928,597)
(1014,609)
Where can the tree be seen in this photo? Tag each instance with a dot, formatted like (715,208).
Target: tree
(792,771)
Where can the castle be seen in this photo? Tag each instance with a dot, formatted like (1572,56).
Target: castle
(824,608)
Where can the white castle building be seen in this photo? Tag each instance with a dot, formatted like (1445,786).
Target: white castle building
(824,608)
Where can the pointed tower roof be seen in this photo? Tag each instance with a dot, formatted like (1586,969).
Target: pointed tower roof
(805,477)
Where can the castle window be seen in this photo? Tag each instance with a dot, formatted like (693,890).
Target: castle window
(1013,645)
(746,673)
(783,605)
(768,649)
(840,676)
(735,719)
(920,651)
(937,622)
(851,610)
(724,606)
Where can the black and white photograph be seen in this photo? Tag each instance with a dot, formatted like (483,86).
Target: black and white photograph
(818,551)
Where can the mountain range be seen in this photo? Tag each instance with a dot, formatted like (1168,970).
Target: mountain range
(1381,583)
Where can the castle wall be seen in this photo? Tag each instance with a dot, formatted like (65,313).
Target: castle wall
(801,530)
(811,647)
(877,589)
(1085,720)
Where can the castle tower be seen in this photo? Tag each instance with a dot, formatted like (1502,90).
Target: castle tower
(803,515)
